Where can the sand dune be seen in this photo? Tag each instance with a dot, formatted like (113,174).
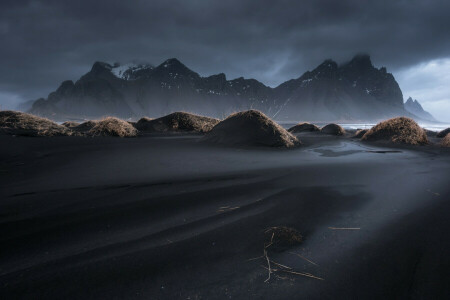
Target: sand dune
(171,218)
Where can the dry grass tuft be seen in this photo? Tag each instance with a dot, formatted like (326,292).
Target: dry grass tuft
(333,129)
(251,128)
(400,130)
(360,133)
(177,122)
(302,127)
(282,236)
(19,123)
(443,133)
(446,141)
(111,126)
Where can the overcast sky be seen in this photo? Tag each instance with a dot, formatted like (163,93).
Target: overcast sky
(45,42)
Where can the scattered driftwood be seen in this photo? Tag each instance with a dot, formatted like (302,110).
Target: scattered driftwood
(284,236)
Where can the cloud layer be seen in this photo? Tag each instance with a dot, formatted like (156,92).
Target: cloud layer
(44,42)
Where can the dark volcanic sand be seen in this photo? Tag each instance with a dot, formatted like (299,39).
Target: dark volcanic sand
(91,218)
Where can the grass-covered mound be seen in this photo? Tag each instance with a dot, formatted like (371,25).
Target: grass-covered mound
(177,122)
(19,123)
(446,141)
(112,127)
(70,124)
(251,128)
(400,130)
(303,127)
(443,133)
(360,133)
(86,126)
(333,129)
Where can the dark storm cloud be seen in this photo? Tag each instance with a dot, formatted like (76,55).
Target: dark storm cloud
(45,42)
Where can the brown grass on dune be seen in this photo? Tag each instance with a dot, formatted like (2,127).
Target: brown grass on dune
(19,123)
(177,122)
(360,133)
(303,127)
(397,130)
(111,126)
(446,141)
(443,133)
(70,124)
(333,129)
(251,128)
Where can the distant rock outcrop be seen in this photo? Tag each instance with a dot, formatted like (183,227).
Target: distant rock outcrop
(397,130)
(414,107)
(250,128)
(355,90)
(177,122)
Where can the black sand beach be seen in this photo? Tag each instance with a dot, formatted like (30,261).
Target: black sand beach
(168,217)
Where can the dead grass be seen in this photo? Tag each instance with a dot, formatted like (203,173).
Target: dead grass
(400,130)
(446,141)
(282,236)
(333,129)
(302,127)
(111,126)
(23,124)
(443,133)
(177,122)
(251,128)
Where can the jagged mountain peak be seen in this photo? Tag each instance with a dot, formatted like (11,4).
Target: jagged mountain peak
(414,107)
(130,71)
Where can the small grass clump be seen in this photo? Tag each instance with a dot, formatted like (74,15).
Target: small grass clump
(303,127)
(360,133)
(282,236)
(446,141)
(399,130)
(111,126)
(333,129)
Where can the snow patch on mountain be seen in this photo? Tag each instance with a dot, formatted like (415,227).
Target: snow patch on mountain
(126,71)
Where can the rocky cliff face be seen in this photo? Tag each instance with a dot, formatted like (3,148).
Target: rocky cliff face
(414,107)
(353,91)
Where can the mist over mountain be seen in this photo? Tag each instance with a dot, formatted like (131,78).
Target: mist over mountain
(353,91)
(414,107)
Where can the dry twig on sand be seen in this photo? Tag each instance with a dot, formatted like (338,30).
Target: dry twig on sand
(282,234)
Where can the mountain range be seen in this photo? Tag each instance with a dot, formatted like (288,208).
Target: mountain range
(353,91)
(414,107)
